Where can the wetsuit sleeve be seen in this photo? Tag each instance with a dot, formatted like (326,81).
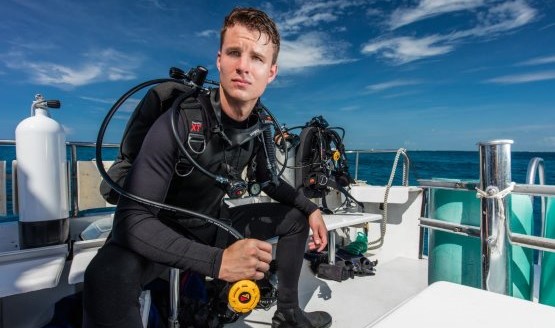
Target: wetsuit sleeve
(284,192)
(137,227)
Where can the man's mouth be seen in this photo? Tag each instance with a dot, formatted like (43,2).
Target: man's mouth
(240,82)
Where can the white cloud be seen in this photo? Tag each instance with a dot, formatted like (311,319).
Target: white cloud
(208,33)
(309,14)
(349,109)
(406,49)
(312,49)
(539,61)
(312,14)
(104,65)
(98,100)
(430,8)
(309,50)
(54,74)
(390,84)
(127,107)
(499,19)
(491,21)
(523,78)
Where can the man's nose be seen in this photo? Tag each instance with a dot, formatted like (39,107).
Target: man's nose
(244,64)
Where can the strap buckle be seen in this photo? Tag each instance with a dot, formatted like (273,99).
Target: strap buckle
(199,141)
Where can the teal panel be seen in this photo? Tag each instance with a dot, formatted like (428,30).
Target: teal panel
(454,258)
(521,220)
(547,281)
(457,258)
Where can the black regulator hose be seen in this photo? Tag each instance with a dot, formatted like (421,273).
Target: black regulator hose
(229,229)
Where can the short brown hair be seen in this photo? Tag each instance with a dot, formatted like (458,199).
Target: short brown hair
(255,20)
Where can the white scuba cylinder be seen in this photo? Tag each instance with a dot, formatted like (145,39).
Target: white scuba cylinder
(289,171)
(42,178)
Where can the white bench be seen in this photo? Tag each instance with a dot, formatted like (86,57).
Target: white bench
(31,269)
(445,304)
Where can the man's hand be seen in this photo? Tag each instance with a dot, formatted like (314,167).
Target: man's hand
(319,238)
(245,259)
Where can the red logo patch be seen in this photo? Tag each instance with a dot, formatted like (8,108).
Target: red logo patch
(244,297)
(196,126)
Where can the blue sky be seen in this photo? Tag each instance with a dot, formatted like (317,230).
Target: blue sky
(418,74)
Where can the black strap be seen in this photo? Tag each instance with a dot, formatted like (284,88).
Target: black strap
(196,126)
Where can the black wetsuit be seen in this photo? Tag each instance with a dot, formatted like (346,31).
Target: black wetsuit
(145,241)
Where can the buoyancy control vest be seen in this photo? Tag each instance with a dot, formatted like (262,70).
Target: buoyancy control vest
(157,100)
(201,124)
(320,161)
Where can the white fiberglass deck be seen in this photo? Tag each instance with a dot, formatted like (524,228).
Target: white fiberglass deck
(354,302)
(445,304)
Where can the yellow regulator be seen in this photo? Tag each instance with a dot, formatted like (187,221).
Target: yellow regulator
(243,296)
(336,155)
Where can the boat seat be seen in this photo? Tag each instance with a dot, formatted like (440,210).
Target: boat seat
(32,269)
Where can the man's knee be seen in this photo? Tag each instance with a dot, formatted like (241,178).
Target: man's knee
(297,221)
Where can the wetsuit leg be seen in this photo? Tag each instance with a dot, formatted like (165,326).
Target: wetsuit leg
(266,220)
(113,285)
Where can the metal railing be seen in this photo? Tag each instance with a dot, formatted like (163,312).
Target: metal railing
(494,230)
(357,153)
(73,147)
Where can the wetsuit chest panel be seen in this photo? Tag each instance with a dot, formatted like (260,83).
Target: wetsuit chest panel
(199,192)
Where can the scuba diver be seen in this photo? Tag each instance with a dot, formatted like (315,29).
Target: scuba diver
(224,138)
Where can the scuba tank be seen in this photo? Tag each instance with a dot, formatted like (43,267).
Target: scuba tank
(42,178)
(285,155)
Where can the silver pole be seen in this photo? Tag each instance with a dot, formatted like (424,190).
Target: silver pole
(495,175)
(173,321)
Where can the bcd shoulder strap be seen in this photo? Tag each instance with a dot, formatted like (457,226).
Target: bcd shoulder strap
(194,115)
(157,101)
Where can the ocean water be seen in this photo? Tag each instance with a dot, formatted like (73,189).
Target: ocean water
(375,168)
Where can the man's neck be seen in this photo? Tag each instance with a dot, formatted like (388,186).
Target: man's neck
(237,111)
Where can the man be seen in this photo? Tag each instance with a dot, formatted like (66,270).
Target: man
(146,240)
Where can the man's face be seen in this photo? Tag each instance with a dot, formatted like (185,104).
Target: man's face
(245,64)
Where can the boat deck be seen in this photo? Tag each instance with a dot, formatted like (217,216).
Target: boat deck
(354,302)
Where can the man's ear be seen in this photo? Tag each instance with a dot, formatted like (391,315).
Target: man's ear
(218,60)
(273,73)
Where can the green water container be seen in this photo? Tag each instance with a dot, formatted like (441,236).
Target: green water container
(456,258)
(547,285)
